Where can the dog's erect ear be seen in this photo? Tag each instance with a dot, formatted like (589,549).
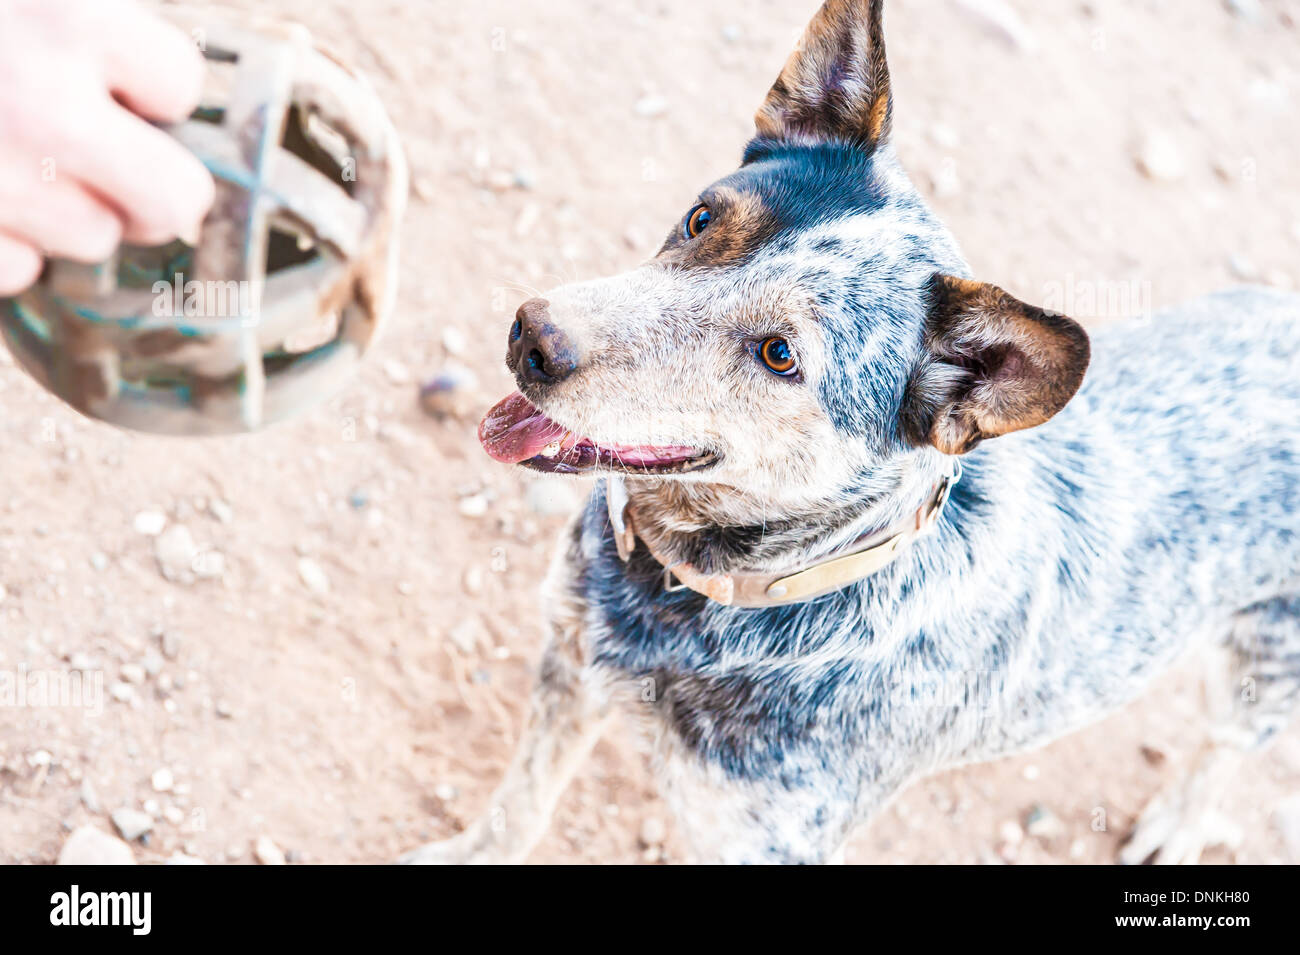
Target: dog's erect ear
(835,85)
(994,365)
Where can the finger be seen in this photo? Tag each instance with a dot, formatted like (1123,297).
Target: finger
(153,67)
(58,216)
(156,185)
(20,265)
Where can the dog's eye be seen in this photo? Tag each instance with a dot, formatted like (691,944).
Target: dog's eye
(777,355)
(697,220)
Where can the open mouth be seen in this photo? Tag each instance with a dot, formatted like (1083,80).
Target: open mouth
(514,431)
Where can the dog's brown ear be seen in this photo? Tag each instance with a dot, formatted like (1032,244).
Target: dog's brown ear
(995,365)
(835,85)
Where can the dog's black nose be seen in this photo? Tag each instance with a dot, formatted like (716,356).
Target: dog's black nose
(538,350)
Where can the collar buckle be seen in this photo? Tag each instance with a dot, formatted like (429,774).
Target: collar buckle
(671,584)
(931,519)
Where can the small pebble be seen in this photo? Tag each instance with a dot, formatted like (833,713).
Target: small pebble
(499,180)
(132,823)
(149,523)
(162,780)
(221,510)
(133,673)
(465,635)
(472,580)
(650,106)
(209,564)
(1153,755)
(424,188)
(1042,823)
(1159,159)
(313,576)
(88,845)
(475,505)
(453,339)
(152,662)
(529,216)
(445,792)
(175,551)
(453,392)
(653,831)
(267,852)
(396,372)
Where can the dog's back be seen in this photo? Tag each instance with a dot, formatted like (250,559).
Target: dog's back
(1163,501)
(1201,465)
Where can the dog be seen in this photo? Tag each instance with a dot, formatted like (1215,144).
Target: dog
(863,518)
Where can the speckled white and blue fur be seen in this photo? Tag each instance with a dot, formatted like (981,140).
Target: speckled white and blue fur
(1074,563)
(1076,560)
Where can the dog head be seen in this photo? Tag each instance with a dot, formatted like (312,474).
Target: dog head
(806,326)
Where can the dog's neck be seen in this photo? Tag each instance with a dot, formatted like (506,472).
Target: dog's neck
(722,528)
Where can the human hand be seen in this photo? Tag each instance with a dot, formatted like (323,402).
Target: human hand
(80,169)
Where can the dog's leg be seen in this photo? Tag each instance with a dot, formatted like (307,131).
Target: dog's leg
(566,719)
(760,821)
(568,712)
(1183,819)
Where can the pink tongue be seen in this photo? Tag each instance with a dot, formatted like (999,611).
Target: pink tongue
(513,430)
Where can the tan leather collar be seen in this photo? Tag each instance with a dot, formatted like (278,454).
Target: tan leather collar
(743,589)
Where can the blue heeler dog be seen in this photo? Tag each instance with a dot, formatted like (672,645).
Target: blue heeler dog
(851,531)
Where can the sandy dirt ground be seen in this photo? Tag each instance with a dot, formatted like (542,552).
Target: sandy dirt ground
(346,680)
